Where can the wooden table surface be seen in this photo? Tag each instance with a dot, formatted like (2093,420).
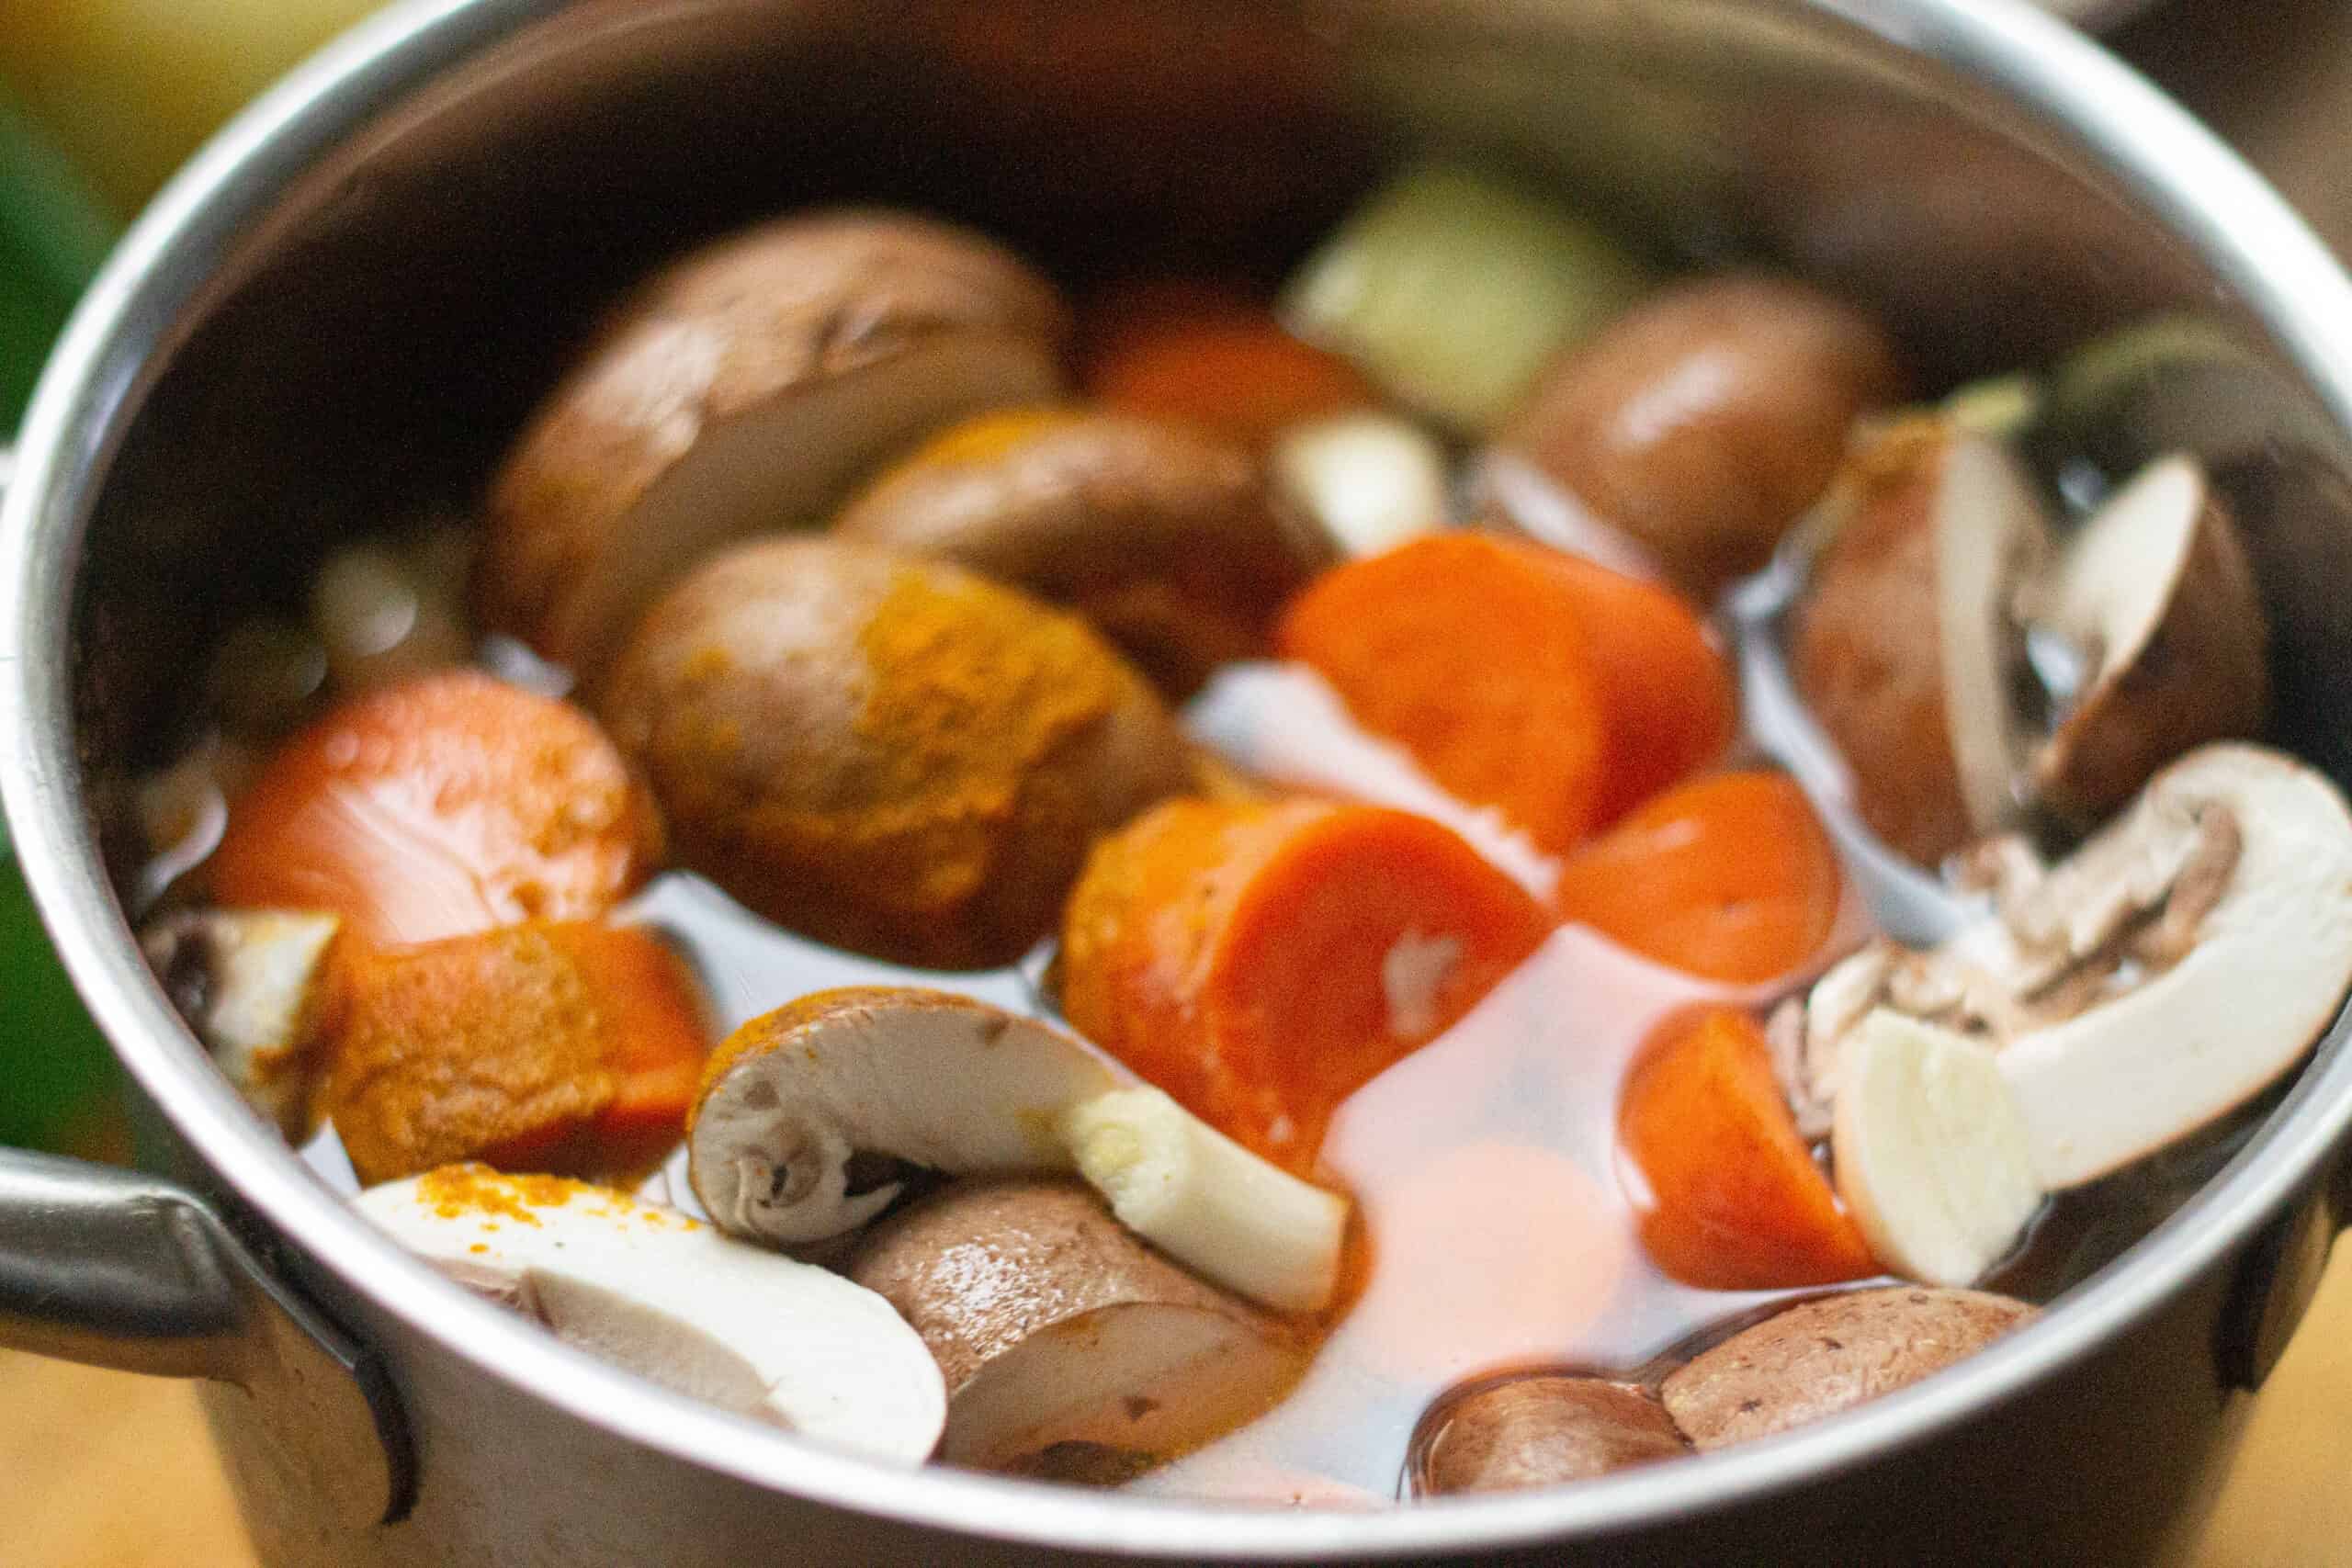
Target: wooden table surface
(104,1469)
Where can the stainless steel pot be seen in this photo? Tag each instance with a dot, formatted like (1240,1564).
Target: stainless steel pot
(339,312)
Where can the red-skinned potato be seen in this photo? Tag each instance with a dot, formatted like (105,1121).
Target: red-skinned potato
(1168,539)
(1530,1429)
(1905,647)
(884,752)
(745,390)
(1707,418)
(1055,1325)
(1824,1356)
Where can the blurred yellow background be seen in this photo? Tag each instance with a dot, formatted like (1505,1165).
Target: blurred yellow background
(130,87)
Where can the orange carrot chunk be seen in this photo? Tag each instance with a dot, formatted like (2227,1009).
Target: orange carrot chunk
(1727,1196)
(439,807)
(1211,358)
(572,1047)
(1262,962)
(1729,876)
(1557,691)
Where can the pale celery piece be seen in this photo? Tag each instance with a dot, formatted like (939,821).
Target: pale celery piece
(1452,287)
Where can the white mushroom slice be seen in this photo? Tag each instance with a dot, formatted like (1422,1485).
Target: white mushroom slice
(1372,479)
(1931,1152)
(1207,1201)
(1807,1032)
(2269,968)
(811,1116)
(899,1076)
(245,980)
(743,391)
(1989,524)
(674,1300)
(1054,1325)
(2156,597)
(2170,969)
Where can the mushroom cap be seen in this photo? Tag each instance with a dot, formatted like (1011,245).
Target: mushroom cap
(917,1077)
(2269,970)
(1169,540)
(1706,419)
(1528,1429)
(887,753)
(672,1300)
(1053,1324)
(742,389)
(1827,1355)
(1903,648)
(2157,590)
(247,980)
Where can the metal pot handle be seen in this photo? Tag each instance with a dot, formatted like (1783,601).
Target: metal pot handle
(117,1269)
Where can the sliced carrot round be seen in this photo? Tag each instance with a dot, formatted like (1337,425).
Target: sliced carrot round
(571,1047)
(1729,876)
(1727,1193)
(442,806)
(1213,358)
(1669,696)
(1557,691)
(1262,962)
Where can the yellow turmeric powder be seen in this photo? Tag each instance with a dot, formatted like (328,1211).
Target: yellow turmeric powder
(885,752)
(565,1047)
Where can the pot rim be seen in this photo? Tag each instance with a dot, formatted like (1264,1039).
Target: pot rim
(2155,151)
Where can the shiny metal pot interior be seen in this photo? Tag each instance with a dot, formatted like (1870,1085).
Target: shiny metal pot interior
(340,314)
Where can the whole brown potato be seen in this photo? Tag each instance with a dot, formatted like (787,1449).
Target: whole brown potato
(887,753)
(1903,648)
(744,390)
(1538,1429)
(1168,539)
(1829,1354)
(1706,419)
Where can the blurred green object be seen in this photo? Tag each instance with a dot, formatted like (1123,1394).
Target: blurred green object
(53,237)
(56,1073)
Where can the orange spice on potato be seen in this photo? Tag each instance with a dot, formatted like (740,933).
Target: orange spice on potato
(1261,961)
(568,1047)
(884,752)
(1172,543)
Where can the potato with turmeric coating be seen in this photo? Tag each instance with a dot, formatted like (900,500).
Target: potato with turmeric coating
(887,753)
(1169,540)
(571,1046)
